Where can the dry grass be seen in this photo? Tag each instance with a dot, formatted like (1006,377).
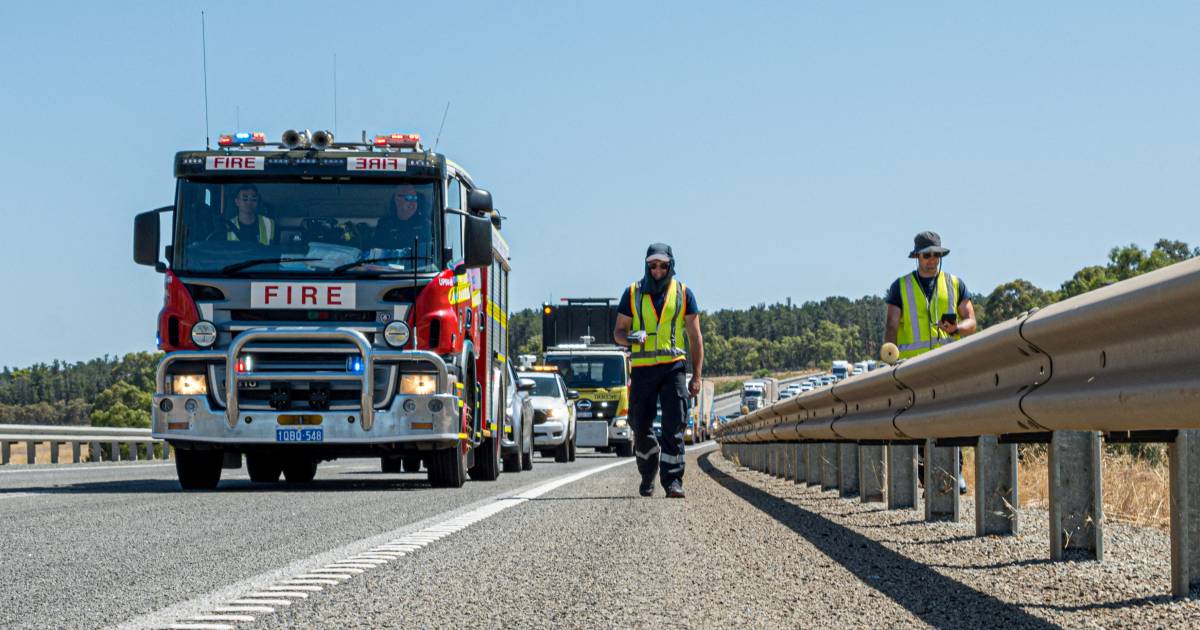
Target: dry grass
(1135,491)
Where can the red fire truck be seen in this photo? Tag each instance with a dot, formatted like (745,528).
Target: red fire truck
(329,299)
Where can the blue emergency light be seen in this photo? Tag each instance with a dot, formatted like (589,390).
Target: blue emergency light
(355,365)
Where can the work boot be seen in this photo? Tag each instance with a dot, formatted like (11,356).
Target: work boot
(675,490)
(647,487)
(962,485)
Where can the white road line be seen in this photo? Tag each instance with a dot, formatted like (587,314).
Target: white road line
(421,533)
(17,495)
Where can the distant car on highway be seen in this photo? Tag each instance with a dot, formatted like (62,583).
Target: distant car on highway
(553,415)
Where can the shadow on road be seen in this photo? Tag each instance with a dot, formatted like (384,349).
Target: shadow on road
(934,598)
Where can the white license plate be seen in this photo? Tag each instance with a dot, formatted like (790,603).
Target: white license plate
(308,434)
(583,414)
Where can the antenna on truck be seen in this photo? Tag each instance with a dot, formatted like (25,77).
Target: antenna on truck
(441,126)
(204,53)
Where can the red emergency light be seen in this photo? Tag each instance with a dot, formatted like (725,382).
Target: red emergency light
(402,140)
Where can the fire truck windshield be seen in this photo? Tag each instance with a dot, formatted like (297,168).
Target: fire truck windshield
(306,227)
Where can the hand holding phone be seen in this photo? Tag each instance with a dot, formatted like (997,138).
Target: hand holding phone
(950,318)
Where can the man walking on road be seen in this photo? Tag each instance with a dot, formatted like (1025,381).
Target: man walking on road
(654,316)
(928,308)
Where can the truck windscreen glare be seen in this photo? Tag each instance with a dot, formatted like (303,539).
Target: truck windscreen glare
(582,372)
(309,227)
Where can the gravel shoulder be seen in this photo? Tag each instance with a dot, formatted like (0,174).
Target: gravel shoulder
(746,550)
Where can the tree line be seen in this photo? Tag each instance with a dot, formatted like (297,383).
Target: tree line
(112,391)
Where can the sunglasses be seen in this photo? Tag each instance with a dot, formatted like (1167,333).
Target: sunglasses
(928,255)
(412,197)
(660,265)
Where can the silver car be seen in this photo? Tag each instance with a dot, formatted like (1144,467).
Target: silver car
(553,415)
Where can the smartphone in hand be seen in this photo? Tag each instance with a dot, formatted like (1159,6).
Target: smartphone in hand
(950,318)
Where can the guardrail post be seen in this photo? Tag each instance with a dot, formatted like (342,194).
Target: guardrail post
(1076,505)
(941,482)
(54,452)
(870,473)
(115,455)
(848,469)
(995,487)
(5,452)
(134,455)
(797,455)
(94,452)
(776,460)
(31,452)
(901,476)
(801,463)
(1184,454)
(812,454)
(829,466)
(76,451)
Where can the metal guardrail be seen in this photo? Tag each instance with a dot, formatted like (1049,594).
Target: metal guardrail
(1120,360)
(138,443)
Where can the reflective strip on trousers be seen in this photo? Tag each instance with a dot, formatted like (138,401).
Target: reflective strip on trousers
(667,458)
(649,453)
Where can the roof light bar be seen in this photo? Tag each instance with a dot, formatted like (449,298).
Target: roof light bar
(243,138)
(401,140)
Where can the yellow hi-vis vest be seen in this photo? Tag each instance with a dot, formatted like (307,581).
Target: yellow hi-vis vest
(919,332)
(266,228)
(664,331)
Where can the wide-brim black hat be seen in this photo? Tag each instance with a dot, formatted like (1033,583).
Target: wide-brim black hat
(928,242)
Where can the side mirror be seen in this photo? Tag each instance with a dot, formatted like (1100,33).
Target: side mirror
(479,201)
(145,238)
(525,384)
(572,394)
(478,242)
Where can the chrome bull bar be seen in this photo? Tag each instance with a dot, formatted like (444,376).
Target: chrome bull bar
(370,356)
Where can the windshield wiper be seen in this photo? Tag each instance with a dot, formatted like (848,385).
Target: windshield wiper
(261,261)
(367,261)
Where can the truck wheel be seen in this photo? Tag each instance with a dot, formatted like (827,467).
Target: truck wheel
(625,449)
(412,464)
(299,469)
(263,468)
(572,450)
(198,470)
(389,465)
(447,468)
(487,461)
(562,454)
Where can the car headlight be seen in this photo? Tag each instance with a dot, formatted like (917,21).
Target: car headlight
(418,384)
(189,384)
(204,334)
(396,334)
(621,423)
(555,413)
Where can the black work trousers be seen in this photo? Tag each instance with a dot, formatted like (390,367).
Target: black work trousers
(666,384)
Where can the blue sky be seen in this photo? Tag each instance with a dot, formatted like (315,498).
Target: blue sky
(785,149)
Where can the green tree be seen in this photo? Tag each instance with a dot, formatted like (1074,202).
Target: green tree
(1013,298)
(122,405)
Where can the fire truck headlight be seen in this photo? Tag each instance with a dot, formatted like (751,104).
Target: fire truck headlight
(418,384)
(396,334)
(189,385)
(621,423)
(204,334)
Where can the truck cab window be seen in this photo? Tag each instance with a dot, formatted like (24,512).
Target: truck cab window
(454,222)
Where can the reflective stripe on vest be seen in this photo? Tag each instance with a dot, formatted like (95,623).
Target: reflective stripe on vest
(265,228)
(918,332)
(663,336)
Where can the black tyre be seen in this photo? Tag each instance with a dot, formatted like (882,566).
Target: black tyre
(390,465)
(263,468)
(299,469)
(487,461)
(512,461)
(447,468)
(625,449)
(412,464)
(527,460)
(562,454)
(198,470)
(571,452)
